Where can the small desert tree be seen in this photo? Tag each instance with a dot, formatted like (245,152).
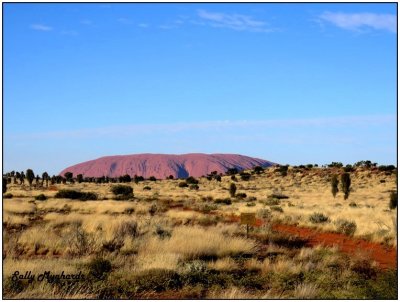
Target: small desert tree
(22,177)
(68,176)
(79,178)
(334,185)
(17,176)
(393,200)
(346,182)
(232,190)
(45,177)
(30,176)
(4,185)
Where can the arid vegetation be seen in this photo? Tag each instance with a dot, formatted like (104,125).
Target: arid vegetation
(317,234)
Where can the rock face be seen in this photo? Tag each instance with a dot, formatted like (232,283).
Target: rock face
(163,165)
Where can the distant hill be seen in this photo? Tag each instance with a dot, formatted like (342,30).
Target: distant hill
(163,165)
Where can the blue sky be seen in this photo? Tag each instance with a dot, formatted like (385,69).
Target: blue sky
(290,83)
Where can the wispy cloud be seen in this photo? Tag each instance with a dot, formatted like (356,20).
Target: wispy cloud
(69,32)
(232,21)
(168,26)
(143,25)
(41,27)
(142,129)
(359,21)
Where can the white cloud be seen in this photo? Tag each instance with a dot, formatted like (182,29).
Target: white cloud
(143,25)
(358,21)
(41,27)
(232,21)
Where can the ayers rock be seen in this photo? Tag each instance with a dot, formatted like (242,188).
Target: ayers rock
(163,165)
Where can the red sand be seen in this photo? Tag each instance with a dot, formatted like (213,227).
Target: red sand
(385,256)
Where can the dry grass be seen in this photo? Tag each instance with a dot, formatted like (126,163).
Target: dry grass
(193,242)
(148,235)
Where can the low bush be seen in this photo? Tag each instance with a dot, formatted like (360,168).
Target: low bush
(272,202)
(72,194)
(245,176)
(264,213)
(183,185)
(146,188)
(157,280)
(278,196)
(393,200)
(346,227)
(191,180)
(241,195)
(277,209)
(318,218)
(226,201)
(208,208)
(121,190)
(162,233)
(99,268)
(194,187)
(127,228)
(8,195)
(153,209)
(41,197)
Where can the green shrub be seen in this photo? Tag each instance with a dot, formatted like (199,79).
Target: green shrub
(272,202)
(232,190)
(277,209)
(157,280)
(241,195)
(345,183)
(72,194)
(99,268)
(41,197)
(183,185)
(129,211)
(250,204)
(278,196)
(264,213)
(153,209)
(318,218)
(162,233)
(88,196)
(127,228)
(121,190)
(346,227)
(194,187)
(208,208)
(334,185)
(245,176)
(393,200)
(191,180)
(226,201)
